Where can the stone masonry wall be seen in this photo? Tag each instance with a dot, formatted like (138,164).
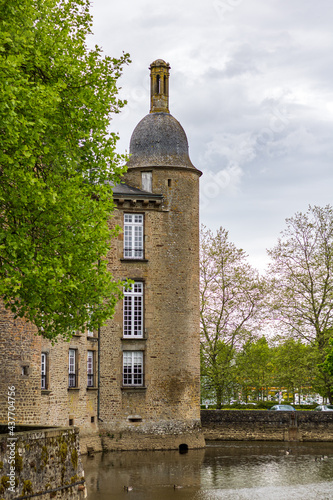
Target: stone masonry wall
(57,405)
(150,416)
(62,405)
(19,368)
(41,460)
(265,425)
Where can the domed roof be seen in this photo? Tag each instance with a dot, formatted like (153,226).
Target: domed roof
(159,140)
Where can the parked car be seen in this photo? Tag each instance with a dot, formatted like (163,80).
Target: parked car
(324,408)
(283,408)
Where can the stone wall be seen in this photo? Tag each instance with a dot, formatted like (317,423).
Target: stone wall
(20,368)
(41,461)
(57,404)
(62,405)
(149,416)
(265,425)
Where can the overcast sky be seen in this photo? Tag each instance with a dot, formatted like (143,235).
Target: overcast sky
(251,83)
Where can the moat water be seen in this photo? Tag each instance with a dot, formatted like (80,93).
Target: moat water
(224,470)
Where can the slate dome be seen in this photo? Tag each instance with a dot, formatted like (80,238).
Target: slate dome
(159,140)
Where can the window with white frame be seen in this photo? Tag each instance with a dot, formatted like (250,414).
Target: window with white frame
(133,368)
(72,368)
(44,370)
(133,236)
(133,310)
(90,369)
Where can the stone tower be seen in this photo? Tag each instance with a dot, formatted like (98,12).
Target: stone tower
(150,363)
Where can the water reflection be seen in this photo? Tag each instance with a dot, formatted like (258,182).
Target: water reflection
(228,470)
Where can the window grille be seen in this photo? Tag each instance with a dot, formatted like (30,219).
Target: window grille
(72,368)
(133,236)
(90,369)
(133,368)
(133,310)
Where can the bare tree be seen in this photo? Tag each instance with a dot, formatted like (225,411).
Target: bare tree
(301,274)
(231,293)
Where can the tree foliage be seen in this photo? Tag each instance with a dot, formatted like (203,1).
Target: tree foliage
(302,278)
(57,161)
(231,294)
(255,368)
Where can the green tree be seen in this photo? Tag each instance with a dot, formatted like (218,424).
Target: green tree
(328,363)
(302,280)
(255,368)
(57,161)
(295,366)
(218,376)
(231,293)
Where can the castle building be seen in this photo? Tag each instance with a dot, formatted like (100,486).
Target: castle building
(136,382)
(150,364)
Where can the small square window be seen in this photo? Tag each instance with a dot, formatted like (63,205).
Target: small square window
(25,370)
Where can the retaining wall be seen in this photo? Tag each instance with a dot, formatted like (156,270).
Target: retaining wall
(265,425)
(42,464)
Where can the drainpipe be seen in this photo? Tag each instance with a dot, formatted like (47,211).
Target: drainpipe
(98,373)
(99,368)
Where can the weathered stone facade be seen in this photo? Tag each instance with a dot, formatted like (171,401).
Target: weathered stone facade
(20,352)
(42,461)
(146,395)
(56,405)
(162,411)
(62,405)
(264,425)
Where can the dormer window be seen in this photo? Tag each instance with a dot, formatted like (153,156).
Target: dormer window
(147,181)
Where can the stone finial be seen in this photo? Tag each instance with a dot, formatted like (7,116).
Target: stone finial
(159,86)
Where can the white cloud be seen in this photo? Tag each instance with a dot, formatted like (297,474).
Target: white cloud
(253,91)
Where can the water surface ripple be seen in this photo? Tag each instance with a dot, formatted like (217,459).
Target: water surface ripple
(228,470)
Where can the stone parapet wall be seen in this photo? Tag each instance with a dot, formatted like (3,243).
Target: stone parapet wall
(265,425)
(46,462)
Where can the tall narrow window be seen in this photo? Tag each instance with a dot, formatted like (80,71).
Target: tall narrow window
(133,310)
(147,181)
(133,236)
(72,373)
(90,331)
(133,368)
(90,369)
(44,370)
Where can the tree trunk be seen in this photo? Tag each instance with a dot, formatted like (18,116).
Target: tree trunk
(218,391)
